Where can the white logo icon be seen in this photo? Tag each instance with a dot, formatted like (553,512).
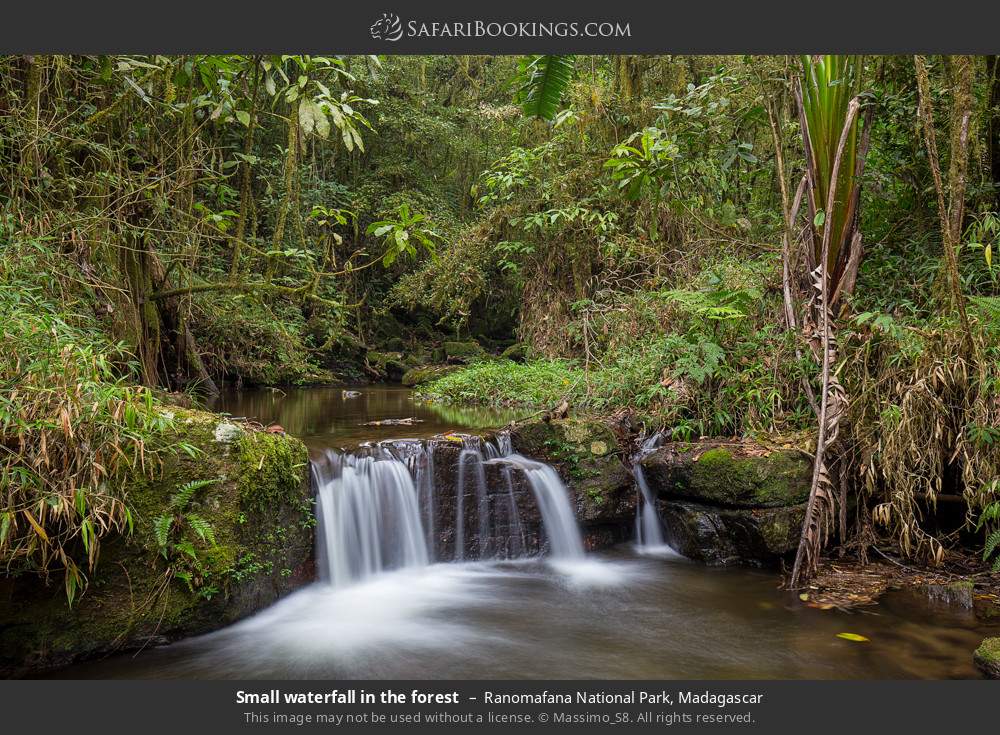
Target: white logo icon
(387,28)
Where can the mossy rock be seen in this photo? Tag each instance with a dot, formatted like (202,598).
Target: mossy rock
(737,477)
(721,536)
(516,352)
(987,658)
(260,510)
(463,352)
(426,373)
(389,365)
(588,456)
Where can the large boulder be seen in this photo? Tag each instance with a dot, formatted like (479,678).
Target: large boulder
(714,535)
(732,503)
(260,511)
(463,352)
(426,373)
(736,476)
(590,458)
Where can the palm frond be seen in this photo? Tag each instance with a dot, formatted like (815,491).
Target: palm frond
(548,78)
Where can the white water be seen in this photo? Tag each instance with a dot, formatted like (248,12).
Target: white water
(648,529)
(553,503)
(369,518)
(376,508)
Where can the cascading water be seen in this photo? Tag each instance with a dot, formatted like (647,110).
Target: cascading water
(647,522)
(369,517)
(377,507)
(553,503)
(648,529)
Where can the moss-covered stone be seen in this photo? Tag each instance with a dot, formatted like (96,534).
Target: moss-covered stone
(463,352)
(738,476)
(389,365)
(589,457)
(426,373)
(259,507)
(714,535)
(987,658)
(516,352)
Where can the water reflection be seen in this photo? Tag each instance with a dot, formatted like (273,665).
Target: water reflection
(327,416)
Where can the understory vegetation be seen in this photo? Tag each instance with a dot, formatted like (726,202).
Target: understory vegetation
(628,234)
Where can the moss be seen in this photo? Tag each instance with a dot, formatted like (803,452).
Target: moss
(388,364)
(586,453)
(987,657)
(426,373)
(779,528)
(463,351)
(778,479)
(260,509)
(269,469)
(517,352)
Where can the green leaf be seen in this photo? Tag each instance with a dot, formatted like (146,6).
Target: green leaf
(549,78)
(819,219)
(244,117)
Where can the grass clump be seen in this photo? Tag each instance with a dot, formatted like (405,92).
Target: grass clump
(74,428)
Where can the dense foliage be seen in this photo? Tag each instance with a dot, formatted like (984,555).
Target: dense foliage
(625,223)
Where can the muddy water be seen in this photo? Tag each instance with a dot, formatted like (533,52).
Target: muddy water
(620,614)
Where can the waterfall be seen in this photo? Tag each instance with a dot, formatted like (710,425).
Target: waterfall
(552,497)
(471,458)
(369,517)
(376,507)
(648,532)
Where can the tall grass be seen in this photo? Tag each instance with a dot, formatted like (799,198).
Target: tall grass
(74,427)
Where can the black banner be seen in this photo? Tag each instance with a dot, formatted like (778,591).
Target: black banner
(511,27)
(586,706)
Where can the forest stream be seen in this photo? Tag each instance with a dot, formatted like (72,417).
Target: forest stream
(384,606)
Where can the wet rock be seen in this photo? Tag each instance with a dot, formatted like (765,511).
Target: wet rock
(516,352)
(588,456)
(959,594)
(714,535)
(463,352)
(987,658)
(260,510)
(515,523)
(738,476)
(426,373)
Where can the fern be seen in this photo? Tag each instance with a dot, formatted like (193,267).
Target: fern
(201,527)
(187,548)
(161,529)
(186,492)
(988,306)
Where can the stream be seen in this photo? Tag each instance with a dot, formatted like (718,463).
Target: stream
(388,604)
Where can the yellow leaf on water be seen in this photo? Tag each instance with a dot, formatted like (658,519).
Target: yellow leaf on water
(804,596)
(852,637)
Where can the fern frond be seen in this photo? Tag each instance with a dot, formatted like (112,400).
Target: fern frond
(186,547)
(988,306)
(186,492)
(992,542)
(161,529)
(201,527)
